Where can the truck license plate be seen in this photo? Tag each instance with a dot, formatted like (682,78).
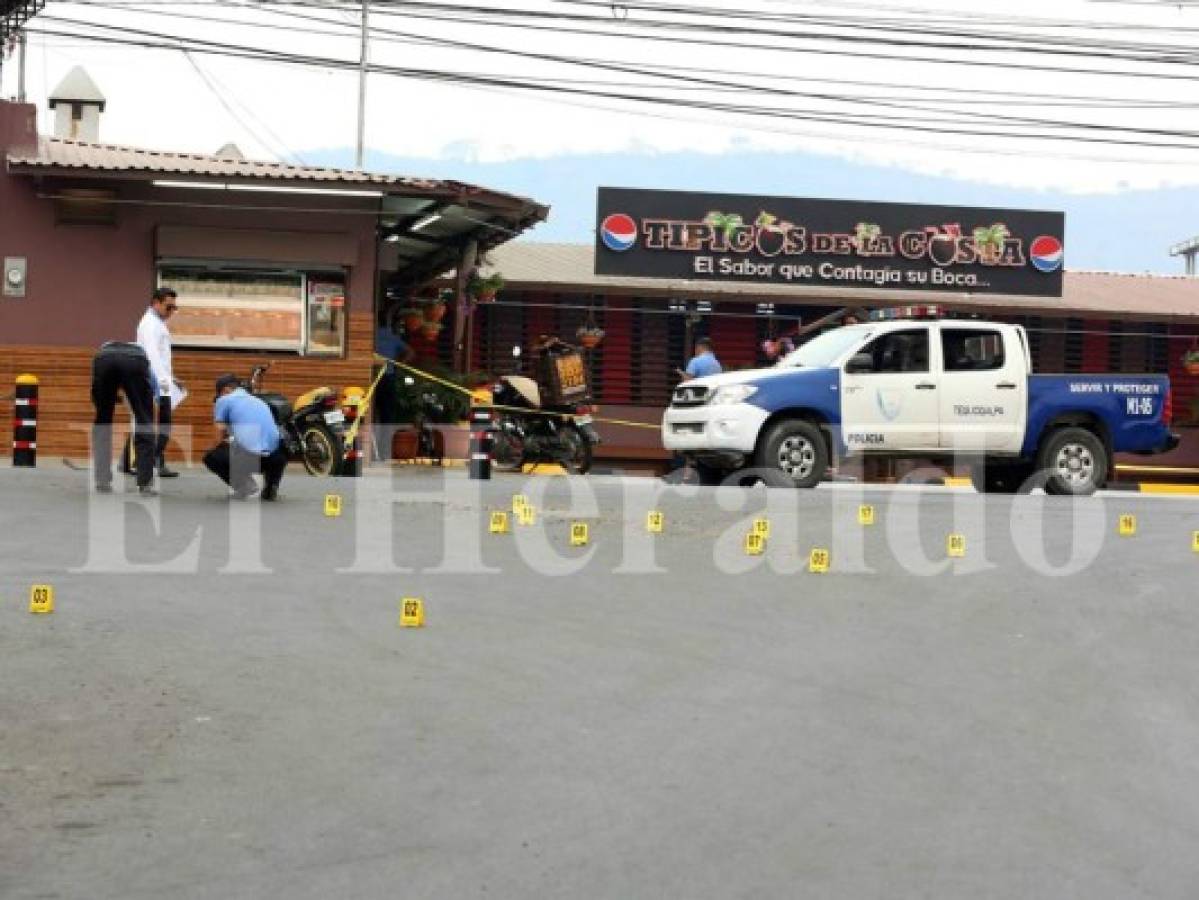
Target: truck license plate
(335,418)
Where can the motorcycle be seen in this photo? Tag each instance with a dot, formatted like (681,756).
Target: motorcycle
(557,431)
(429,408)
(313,429)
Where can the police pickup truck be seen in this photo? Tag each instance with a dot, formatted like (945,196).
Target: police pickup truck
(945,389)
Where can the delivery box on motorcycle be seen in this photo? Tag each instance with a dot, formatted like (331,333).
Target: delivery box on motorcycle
(563,378)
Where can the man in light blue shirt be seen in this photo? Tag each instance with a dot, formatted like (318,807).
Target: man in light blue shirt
(703,363)
(249,441)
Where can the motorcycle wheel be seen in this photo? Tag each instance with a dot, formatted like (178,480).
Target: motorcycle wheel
(577,451)
(322,451)
(507,452)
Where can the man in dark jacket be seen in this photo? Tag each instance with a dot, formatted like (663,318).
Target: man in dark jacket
(122,367)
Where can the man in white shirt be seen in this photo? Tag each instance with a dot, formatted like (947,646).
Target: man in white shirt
(155,338)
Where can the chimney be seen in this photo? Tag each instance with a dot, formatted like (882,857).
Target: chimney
(230,151)
(77,104)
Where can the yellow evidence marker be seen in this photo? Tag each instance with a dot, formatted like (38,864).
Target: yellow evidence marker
(865,515)
(762,527)
(499,523)
(1128,525)
(1195,541)
(818,561)
(412,612)
(41,598)
(519,502)
(526,515)
(955,545)
(333,505)
(754,544)
(654,521)
(578,534)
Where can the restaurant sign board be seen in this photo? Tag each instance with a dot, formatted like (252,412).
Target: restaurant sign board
(828,243)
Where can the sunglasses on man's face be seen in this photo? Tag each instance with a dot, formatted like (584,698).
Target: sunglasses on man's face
(171,307)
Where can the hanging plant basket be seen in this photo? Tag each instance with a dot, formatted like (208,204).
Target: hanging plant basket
(435,311)
(589,337)
(412,317)
(1190,361)
(430,330)
(484,290)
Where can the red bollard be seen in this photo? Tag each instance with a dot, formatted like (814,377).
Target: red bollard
(24,422)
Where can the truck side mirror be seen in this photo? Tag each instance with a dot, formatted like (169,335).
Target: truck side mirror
(860,362)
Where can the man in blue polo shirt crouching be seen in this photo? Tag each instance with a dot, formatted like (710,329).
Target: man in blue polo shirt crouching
(249,441)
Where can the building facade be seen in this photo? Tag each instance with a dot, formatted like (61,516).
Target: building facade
(273,263)
(1102,323)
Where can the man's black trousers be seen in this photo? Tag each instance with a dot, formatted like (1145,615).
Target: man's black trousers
(234,466)
(162,406)
(123,368)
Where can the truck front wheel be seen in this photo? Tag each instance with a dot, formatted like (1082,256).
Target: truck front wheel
(1000,477)
(1073,461)
(796,448)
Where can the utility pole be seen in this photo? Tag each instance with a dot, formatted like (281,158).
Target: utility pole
(21,42)
(362,61)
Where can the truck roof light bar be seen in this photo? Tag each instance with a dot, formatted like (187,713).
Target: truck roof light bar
(922,311)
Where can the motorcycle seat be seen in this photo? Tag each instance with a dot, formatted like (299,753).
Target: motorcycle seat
(316,395)
(527,388)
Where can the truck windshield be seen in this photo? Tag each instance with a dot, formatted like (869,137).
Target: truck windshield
(822,351)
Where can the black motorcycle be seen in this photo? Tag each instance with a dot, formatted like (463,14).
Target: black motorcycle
(313,430)
(558,431)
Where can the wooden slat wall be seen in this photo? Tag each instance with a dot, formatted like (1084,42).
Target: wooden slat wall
(735,337)
(65,409)
(1184,387)
(1095,354)
(616,372)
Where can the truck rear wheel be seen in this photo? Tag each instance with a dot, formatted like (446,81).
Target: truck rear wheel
(1073,461)
(796,448)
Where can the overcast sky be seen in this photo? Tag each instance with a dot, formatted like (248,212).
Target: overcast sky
(167,99)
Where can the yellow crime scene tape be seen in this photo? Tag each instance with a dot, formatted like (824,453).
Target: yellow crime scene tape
(429,376)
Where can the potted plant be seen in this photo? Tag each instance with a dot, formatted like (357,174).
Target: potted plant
(435,309)
(1190,361)
(589,335)
(484,288)
(412,317)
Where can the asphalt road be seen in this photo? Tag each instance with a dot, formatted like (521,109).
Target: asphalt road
(671,718)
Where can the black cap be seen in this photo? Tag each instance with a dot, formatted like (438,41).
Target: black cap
(224,381)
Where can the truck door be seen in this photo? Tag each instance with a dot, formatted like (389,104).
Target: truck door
(984,389)
(889,394)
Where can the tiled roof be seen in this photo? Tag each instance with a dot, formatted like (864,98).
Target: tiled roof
(545,266)
(59,154)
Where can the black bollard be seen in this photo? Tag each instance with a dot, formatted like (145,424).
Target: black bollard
(479,465)
(24,422)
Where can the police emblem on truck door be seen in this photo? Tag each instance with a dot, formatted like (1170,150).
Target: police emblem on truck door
(890,402)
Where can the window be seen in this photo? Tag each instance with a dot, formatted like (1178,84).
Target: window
(257,309)
(971,349)
(825,349)
(897,351)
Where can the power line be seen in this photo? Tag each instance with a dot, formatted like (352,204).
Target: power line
(154,39)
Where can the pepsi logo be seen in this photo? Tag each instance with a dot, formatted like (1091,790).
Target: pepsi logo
(1045,253)
(618,232)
